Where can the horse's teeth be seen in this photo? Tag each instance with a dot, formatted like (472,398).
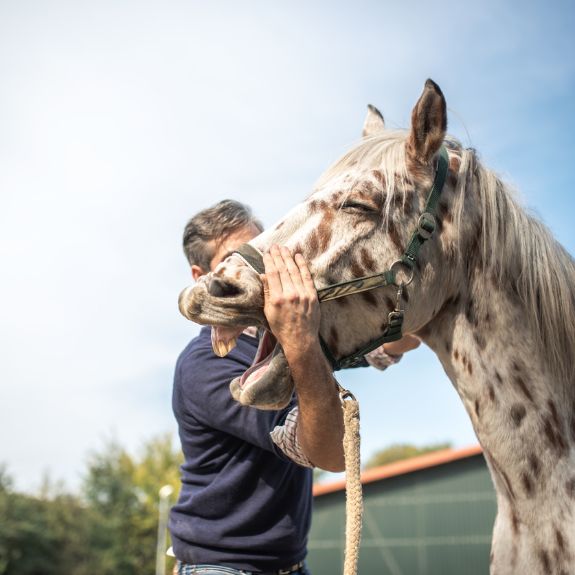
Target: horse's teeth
(222,348)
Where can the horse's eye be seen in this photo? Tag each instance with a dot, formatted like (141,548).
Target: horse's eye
(358,207)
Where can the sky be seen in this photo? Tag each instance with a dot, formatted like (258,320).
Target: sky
(120,119)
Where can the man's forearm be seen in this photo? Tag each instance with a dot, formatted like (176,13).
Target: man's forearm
(320,420)
(292,310)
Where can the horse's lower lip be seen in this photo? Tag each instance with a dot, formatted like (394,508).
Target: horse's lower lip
(267,383)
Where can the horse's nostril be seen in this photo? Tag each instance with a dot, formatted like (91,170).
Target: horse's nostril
(219,287)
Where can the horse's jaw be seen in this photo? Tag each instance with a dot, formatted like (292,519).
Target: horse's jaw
(267,383)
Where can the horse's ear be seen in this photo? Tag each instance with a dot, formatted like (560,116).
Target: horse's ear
(374,123)
(428,124)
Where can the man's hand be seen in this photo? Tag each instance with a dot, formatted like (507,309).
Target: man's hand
(292,310)
(290,301)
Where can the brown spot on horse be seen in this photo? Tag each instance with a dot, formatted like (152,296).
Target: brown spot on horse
(479,340)
(518,412)
(379,178)
(554,437)
(570,488)
(520,383)
(545,561)
(514,522)
(367,261)
(491,392)
(534,465)
(394,235)
(370,298)
(324,231)
(313,245)
(560,540)
(527,484)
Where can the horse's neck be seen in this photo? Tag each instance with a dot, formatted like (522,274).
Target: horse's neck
(524,423)
(523,419)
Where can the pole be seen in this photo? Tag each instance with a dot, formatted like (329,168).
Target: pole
(164,507)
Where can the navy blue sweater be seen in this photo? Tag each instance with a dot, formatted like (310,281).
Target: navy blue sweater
(243,503)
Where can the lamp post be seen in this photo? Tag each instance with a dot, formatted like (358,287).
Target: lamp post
(164,493)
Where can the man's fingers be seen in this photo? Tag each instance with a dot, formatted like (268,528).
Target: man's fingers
(305,275)
(288,288)
(293,270)
(272,276)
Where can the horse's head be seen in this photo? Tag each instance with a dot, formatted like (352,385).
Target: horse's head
(357,222)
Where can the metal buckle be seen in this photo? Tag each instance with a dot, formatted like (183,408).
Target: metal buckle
(344,394)
(291,569)
(426,225)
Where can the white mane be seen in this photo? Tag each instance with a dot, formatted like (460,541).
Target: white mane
(517,249)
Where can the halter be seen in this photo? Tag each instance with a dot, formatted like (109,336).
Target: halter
(426,226)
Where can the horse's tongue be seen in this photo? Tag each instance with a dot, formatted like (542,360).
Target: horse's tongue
(224,339)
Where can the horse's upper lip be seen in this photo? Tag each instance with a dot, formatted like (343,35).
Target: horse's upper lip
(246,308)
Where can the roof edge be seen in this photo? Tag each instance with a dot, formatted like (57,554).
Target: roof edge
(402,467)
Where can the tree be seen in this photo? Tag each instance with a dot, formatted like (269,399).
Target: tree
(401,451)
(42,535)
(123,492)
(110,528)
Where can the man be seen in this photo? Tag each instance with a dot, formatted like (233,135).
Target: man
(245,502)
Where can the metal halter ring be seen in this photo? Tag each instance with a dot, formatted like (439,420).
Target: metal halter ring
(410,273)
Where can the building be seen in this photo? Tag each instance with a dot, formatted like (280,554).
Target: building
(429,515)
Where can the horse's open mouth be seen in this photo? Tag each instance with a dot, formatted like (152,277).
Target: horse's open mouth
(267,348)
(267,383)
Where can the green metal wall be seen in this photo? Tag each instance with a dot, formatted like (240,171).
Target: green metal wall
(435,521)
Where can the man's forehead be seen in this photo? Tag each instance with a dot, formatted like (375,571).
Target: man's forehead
(226,246)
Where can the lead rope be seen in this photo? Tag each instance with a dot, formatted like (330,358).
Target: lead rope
(353,494)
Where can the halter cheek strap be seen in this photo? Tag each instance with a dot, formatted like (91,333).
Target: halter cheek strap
(252,257)
(426,226)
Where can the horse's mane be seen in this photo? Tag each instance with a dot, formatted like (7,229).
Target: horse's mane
(516,248)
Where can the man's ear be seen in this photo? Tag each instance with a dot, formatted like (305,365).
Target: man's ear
(197,271)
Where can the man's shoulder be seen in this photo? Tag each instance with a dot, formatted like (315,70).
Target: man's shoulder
(198,357)
(200,343)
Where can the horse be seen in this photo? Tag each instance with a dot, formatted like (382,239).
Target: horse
(491,293)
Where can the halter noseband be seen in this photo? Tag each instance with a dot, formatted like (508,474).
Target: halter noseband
(426,226)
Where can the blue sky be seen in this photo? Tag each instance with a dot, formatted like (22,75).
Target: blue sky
(120,119)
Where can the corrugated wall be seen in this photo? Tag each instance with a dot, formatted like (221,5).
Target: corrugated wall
(435,521)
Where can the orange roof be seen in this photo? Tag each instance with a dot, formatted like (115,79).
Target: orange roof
(401,467)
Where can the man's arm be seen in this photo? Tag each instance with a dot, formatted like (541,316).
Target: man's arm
(407,343)
(292,310)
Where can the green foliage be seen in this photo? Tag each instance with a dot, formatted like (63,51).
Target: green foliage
(110,528)
(41,535)
(123,492)
(399,452)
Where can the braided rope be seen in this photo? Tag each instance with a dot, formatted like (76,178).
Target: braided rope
(353,494)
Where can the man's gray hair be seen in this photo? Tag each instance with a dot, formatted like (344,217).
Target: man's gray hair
(208,228)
